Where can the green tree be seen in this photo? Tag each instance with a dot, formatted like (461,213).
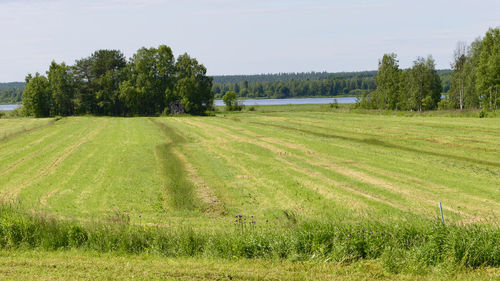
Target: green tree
(488,71)
(61,84)
(231,101)
(193,88)
(37,98)
(458,77)
(472,98)
(150,77)
(387,81)
(421,86)
(98,78)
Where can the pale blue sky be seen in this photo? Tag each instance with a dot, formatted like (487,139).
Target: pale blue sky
(241,37)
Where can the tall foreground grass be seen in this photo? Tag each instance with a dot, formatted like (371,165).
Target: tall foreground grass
(401,246)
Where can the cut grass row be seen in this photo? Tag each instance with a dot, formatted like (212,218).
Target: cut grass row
(12,127)
(312,164)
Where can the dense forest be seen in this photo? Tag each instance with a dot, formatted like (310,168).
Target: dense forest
(11,93)
(152,82)
(308,84)
(474,81)
(283,77)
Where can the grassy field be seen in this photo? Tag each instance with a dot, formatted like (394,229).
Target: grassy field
(277,166)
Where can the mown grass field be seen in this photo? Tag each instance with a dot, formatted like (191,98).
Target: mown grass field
(277,166)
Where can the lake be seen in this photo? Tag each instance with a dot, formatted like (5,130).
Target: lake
(291,101)
(6,107)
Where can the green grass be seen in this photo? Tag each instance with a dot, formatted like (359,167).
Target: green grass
(308,175)
(78,265)
(415,244)
(12,127)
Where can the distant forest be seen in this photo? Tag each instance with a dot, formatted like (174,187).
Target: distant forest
(11,93)
(281,85)
(308,84)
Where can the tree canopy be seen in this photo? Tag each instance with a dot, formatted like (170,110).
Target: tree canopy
(37,98)
(105,83)
(488,70)
(417,88)
(473,83)
(231,101)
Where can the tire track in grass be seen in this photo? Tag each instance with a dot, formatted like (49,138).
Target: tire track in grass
(12,152)
(21,160)
(44,198)
(36,158)
(12,194)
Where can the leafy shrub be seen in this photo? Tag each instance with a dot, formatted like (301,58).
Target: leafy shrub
(77,236)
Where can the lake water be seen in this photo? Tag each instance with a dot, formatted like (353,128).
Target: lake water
(6,107)
(291,101)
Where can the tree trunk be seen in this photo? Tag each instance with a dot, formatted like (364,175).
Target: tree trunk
(496,95)
(491,99)
(461,95)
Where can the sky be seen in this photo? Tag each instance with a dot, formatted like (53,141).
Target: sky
(241,36)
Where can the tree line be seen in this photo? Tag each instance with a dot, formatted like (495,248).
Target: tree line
(476,74)
(11,93)
(288,76)
(309,84)
(297,88)
(474,80)
(152,82)
(289,85)
(417,88)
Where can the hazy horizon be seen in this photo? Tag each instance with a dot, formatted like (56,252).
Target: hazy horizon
(241,37)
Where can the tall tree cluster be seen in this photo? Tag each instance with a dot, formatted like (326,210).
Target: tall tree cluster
(475,80)
(105,83)
(417,88)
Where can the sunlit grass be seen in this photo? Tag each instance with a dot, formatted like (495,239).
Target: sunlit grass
(309,176)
